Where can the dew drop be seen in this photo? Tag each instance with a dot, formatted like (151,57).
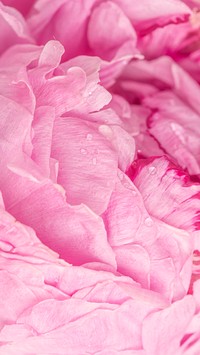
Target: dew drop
(89,137)
(90,93)
(106,131)
(94,161)
(148,222)
(152,170)
(83,151)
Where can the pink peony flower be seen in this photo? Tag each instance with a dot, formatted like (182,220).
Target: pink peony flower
(99,177)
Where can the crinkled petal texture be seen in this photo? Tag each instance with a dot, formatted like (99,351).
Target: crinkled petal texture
(169,122)
(99,252)
(87,164)
(179,134)
(83,309)
(150,251)
(168,320)
(176,196)
(88,35)
(33,153)
(146,15)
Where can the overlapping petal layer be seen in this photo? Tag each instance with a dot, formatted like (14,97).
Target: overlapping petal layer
(99,175)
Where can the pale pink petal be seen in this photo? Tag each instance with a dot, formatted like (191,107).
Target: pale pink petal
(145,15)
(43,130)
(162,41)
(168,74)
(15,128)
(13,28)
(94,95)
(39,286)
(134,261)
(150,251)
(87,164)
(163,330)
(72,232)
(59,20)
(116,326)
(56,313)
(51,93)
(176,196)
(122,38)
(13,290)
(177,135)
(111,70)
(123,143)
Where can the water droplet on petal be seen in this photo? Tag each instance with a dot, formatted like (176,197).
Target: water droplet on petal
(106,131)
(83,151)
(152,170)
(89,137)
(90,93)
(148,222)
(94,161)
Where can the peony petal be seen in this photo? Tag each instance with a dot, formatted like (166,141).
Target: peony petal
(70,231)
(172,322)
(44,20)
(87,164)
(179,137)
(162,251)
(122,39)
(94,95)
(43,129)
(177,197)
(13,28)
(22,7)
(145,15)
(11,294)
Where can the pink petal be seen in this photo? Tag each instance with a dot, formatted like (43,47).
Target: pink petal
(12,292)
(164,254)
(176,135)
(58,20)
(172,322)
(23,7)
(94,95)
(102,21)
(70,231)
(177,198)
(145,14)
(43,129)
(13,28)
(87,164)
